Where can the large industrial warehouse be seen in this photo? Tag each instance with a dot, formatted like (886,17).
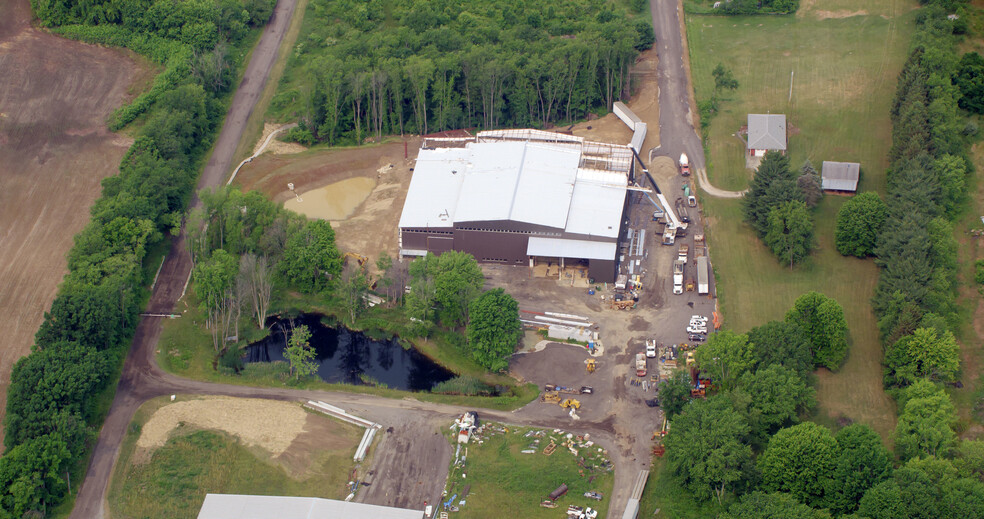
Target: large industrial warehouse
(519,197)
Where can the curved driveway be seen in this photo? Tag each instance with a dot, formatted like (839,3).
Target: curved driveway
(142,379)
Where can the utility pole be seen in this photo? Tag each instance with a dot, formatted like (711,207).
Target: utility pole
(790,86)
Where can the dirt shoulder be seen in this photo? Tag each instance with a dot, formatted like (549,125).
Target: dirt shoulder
(55,96)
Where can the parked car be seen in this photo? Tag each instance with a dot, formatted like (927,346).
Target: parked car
(651,349)
(696,337)
(652,402)
(691,329)
(594,495)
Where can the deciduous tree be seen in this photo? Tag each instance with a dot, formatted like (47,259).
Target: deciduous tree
(801,460)
(776,505)
(862,463)
(784,344)
(674,393)
(790,232)
(705,447)
(494,329)
(924,423)
(725,357)
(859,224)
(311,259)
(300,354)
(822,318)
(926,353)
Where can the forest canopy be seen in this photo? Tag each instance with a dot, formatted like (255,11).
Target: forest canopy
(364,69)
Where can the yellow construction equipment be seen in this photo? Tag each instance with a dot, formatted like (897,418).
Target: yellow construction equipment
(590,365)
(357,257)
(570,402)
(551,397)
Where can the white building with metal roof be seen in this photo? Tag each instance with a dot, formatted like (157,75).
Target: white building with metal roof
(234,506)
(840,176)
(491,195)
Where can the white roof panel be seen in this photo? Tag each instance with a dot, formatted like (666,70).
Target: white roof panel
(232,506)
(596,207)
(490,181)
(432,198)
(546,185)
(561,248)
(536,182)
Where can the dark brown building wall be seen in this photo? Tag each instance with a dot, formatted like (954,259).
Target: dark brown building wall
(418,238)
(602,270)
(493,246)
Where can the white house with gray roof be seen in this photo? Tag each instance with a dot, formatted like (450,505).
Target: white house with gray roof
(766,132)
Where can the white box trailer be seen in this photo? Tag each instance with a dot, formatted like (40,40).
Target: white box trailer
(703,287)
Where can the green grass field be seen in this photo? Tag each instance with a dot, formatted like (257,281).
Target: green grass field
(174,481)
(503,478)
(844,75)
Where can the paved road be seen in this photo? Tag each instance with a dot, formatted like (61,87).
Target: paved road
(676,129)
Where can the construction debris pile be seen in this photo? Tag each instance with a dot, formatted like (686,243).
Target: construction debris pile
(591,460)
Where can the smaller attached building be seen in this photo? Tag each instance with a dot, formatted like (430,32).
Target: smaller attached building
(840,176)
(766,132)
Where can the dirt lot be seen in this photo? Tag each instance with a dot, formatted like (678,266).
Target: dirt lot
(372,227)
(55,95)
(283,430)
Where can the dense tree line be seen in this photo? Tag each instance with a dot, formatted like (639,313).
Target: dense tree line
(78,349)
(915,295)
(745,439)
(375,68)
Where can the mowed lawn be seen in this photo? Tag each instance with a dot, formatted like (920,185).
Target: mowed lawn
(844,75)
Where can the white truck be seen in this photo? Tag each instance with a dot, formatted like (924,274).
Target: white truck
(678,276)
(684,165)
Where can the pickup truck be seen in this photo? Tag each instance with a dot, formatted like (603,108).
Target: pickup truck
(640,364)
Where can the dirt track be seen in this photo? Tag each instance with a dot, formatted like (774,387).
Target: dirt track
(55,95)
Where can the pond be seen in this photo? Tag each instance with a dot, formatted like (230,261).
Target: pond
(349,357)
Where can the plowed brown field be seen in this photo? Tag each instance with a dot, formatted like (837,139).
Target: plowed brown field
(55,96)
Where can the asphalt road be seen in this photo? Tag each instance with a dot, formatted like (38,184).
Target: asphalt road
(142,379)
(676,129)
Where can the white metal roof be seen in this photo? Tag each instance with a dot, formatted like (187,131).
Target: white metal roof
(840,176)
(433,194)
(233,506)
(561,248)
(766,132)
(597,202)
(534,182)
